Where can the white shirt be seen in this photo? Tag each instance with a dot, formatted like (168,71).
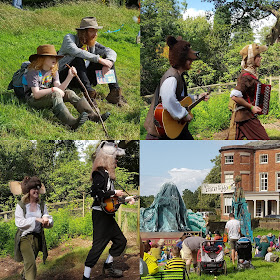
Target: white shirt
(233,227)
(267,256)
(167,93)
(28,223)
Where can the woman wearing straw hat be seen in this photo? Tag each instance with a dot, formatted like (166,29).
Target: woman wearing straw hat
(46,91)
(31,217)
(244,123)
(87,55)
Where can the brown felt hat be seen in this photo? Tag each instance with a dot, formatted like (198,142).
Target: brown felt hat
(27,184)
(89,22)
(45,50)
(180,51)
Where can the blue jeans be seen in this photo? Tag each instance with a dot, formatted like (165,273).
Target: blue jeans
(17,4)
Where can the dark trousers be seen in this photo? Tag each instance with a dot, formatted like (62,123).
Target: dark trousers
(87,75)
(105,229)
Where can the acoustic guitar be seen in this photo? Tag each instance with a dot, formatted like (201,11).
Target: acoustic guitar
(111,205)
(166,124)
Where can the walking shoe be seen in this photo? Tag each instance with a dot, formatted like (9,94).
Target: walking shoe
(115,97)
(110,271)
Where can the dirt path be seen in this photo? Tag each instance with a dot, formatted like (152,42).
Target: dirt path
(65,264)
(222,135)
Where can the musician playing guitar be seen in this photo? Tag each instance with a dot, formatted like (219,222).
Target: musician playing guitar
(172,90)
(244,123)
(105,228)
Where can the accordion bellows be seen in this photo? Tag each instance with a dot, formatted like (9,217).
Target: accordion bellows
(262,97)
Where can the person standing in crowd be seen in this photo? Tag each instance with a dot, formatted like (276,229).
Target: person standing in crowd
(190,247)
(233,230)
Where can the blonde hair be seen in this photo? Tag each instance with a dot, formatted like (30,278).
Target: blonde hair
(264,239)
(269,249)
(38,63)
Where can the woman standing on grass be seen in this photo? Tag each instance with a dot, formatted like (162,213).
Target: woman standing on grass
(31,217)
(244,123)
(46,91)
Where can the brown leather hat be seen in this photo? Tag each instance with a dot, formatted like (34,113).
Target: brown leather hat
(89,22)
(45,50)
(26,185)
(252,50)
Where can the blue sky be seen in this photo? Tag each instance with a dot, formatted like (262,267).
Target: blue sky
(185,163)
(199,5)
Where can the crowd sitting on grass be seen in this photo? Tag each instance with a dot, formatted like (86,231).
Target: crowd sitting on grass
(157,254)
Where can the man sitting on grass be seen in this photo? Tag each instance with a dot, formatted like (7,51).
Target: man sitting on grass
(176,262)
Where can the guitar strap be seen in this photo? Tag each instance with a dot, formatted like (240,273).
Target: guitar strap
(185,74)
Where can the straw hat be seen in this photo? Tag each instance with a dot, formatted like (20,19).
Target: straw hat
(45,50)
(26,185)
(89,22)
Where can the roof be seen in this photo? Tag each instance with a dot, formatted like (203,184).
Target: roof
(255,145)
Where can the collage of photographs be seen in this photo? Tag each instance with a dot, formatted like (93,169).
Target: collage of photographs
(87,87)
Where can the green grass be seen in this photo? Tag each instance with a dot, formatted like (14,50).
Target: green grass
(22,31)
(214,116)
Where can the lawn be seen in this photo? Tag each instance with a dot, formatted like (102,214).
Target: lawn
(22,31)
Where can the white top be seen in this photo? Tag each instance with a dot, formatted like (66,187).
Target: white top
(233,227)
(28,223)
(167,93)
(267,256)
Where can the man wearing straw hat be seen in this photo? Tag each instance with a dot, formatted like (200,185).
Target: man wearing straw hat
(84,53)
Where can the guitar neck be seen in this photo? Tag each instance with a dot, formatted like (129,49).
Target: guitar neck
(196,102)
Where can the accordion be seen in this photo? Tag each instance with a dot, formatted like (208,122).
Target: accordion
(262,97)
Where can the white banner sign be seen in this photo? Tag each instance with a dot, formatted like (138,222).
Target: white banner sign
(217,188)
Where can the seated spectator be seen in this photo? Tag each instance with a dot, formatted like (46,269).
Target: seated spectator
(262,248)
(270,257)
(176,262)
(143,268)
(151,261)
(208,237)
(217,235)
(271,239)
(155,251)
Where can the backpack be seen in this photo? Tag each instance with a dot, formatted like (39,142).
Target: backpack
(18,82)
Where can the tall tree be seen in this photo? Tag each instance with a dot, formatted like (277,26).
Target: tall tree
(159,18)
(244,11)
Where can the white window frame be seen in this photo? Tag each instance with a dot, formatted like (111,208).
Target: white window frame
(258,209)
(277,179)
(276,156)
(227,206)
(261,181)
(264,162)
(227,161)
(228,180)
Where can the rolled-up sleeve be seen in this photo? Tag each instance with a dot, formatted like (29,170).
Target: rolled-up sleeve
(169,100)
(236,93)
(22,223)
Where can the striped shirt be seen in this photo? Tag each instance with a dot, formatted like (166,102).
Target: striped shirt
(175,263)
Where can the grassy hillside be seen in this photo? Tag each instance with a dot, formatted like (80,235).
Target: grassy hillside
(22,31)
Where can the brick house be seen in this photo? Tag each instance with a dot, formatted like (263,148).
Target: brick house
(258,164)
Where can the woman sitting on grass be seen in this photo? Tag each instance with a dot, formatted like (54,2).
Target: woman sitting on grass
(151,261)
(46,91)
(176,262)
(261,250)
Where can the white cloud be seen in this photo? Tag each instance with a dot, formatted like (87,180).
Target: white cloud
(193,13)
(183,178)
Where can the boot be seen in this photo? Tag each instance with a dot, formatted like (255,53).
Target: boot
(115,97)
(92,93)
(63,114)
(85,278)
(109,271)
(83,106)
